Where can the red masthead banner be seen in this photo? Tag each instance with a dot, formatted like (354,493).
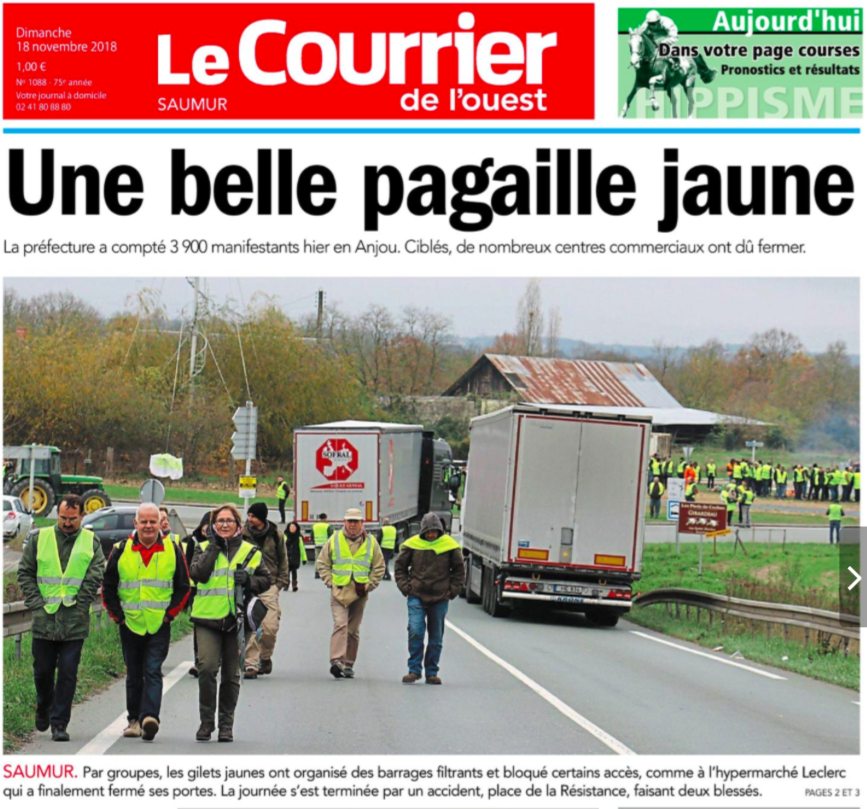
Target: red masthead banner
(362,61)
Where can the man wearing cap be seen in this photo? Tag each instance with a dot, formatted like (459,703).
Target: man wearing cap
(146,585)
(264,535)
(59,574)
(351,564)
(430,572)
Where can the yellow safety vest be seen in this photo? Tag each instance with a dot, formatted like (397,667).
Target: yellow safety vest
(389,535)
(215,599)
(58,586)
(320,533)
(145,591)
(345,565)
(439,545)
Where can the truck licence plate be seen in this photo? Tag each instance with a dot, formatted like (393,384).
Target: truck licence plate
(571,588)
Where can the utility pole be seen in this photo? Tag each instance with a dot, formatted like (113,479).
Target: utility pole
(194,334)
(320,306)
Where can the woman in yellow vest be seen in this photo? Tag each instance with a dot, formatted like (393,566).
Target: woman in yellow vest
(219,564)
(146,585)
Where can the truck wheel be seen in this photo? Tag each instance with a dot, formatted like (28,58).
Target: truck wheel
(95,499)
(602,616)
(498,608)
(43,496)
(486,590)
(472,598)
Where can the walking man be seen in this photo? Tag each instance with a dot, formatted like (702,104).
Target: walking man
(655,491)
(263,535)
(146,585)
(60,574)
(835,516)
(429,571)
(388,537)
(351,565)
(282,497)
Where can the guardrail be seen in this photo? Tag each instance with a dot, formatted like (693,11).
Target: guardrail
(809,619)
(17,621)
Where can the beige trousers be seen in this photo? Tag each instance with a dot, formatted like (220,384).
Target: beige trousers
(270,627)
(347,629)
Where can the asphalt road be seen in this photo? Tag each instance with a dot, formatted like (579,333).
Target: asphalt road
(531,684)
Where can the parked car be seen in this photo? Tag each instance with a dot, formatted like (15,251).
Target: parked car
(17,522)
(109,524)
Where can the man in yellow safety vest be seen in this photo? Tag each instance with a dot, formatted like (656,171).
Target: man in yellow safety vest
(387,540)
(60,573)
(430,573)
(146,585)
(282,497)
(351,565)
(321,532)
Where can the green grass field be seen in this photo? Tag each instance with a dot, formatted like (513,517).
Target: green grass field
(175,494)
(101,665)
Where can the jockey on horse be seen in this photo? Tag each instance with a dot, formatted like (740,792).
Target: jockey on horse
(663,31)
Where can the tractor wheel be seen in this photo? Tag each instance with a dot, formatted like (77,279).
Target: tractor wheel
(95,499)
(43,496)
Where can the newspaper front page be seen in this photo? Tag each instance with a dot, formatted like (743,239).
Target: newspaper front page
(416,404)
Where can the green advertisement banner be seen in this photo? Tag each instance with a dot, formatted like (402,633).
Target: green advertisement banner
(740,63)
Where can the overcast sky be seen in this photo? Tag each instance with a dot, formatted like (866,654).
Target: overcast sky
(629,311)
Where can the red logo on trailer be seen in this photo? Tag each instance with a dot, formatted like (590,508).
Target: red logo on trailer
(337,459)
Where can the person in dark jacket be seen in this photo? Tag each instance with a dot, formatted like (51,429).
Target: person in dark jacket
(145,587)
(265,535)
(60,614)
(296,555)
(430,572)
(240,563)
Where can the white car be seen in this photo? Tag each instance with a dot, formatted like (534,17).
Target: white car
(16,521)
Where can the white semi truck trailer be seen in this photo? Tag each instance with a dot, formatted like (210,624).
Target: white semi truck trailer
(394,471)
(553,509)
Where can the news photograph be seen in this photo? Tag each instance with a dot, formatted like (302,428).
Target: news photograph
(483,515)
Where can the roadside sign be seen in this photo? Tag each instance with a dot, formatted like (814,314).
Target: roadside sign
(687,451)
(246,486)
(673,510)
(246,420)
(676,488)
(755,443)
(701,518)
(152,491)
(722,533)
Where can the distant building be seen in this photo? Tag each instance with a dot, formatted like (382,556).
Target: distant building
(618,388)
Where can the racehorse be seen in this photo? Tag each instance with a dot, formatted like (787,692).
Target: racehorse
(652,71)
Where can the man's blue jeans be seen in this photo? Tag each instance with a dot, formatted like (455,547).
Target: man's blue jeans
(144,656)
(835,529)
(434,617)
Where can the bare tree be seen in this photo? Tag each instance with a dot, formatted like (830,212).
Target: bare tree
(552,348)
(530,325)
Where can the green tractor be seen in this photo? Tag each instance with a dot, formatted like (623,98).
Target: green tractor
(49,484)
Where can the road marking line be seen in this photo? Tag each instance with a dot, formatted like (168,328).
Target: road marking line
(709,656)
(100,743)
(857,703)
(594,730)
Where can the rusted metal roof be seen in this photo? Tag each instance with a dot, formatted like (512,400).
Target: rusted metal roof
(565,381)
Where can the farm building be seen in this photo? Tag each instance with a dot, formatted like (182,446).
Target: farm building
(618,388)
